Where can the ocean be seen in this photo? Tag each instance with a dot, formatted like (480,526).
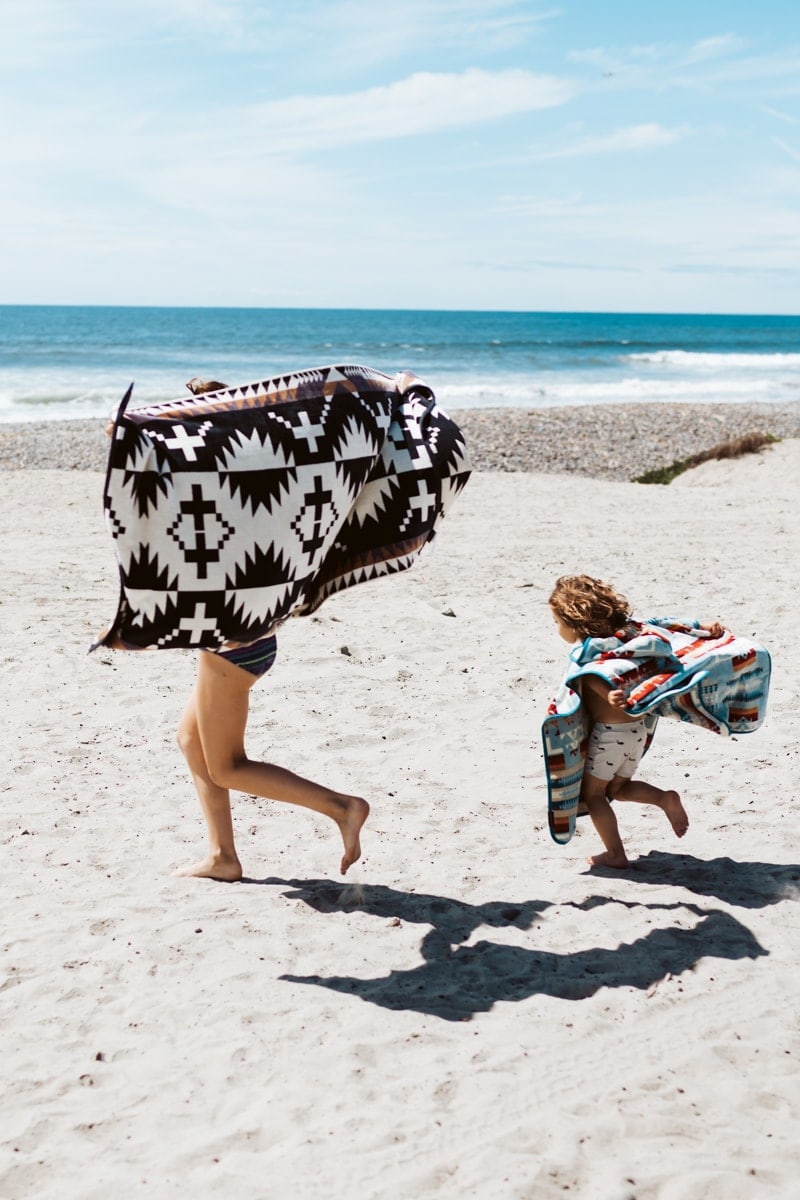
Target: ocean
(67,362)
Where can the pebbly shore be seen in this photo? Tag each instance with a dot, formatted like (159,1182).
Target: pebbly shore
(620,441)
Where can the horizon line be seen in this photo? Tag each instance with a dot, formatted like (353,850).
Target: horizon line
(538,312)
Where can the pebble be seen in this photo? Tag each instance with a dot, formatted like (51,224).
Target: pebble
(613,441)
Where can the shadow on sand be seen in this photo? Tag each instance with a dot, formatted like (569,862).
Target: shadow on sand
(741,884)
(455,982)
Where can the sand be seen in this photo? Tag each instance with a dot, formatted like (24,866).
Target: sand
(471,1013)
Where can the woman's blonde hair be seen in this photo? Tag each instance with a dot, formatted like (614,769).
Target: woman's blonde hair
(589,606)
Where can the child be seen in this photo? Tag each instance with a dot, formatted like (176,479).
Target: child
(584,607)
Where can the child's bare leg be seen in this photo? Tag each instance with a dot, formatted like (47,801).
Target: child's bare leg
(222,861)
(646,793)
(222,696)
(593,794)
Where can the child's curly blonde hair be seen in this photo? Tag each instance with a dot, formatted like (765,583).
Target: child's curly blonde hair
(589,606)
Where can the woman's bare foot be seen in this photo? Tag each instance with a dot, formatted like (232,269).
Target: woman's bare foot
(354,814)
(676,813)
(224,867)
(607,859)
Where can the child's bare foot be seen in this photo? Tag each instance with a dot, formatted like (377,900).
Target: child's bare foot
(224,867)
(354,814)
(607,859)
(676,813)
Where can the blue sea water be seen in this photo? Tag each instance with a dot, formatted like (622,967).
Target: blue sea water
(65,362)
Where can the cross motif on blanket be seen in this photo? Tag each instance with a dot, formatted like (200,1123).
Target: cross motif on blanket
(183,440)
(423,503)
(302,427)
(409,436)
(198,624)
(203,551)
(317,502)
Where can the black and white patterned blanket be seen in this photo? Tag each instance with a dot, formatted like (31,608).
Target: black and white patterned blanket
(234,510)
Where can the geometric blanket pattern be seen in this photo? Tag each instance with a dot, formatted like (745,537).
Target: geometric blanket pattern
(233,510)
(667,668)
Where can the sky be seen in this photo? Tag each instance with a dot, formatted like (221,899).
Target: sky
(427,154)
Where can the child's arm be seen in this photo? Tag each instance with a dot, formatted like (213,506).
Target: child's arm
(712,628)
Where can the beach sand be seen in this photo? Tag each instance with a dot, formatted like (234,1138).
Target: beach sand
(471,1013)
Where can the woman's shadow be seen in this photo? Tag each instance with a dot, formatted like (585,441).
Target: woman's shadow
(455,981)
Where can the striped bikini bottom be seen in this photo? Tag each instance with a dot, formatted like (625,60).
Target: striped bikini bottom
(255,658)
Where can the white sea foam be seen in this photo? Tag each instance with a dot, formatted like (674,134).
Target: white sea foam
(669,376)
(564,392)
(45,395)
(694,360)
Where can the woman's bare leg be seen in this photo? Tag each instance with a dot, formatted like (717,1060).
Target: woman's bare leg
(222,861)
(221,703)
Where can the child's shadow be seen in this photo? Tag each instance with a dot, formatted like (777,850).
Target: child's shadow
(741,884)
(455,981)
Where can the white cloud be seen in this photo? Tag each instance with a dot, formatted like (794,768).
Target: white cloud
(710,64)
(622,141)
(716,47)
(423,103)
(795,154)
(337,35)
(780,116)
(205,13)
(241,137)
(377,32)
(614,58)
(267,167)
(34,33)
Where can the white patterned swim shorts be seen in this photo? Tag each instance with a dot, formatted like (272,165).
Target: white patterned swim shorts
(615,750)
